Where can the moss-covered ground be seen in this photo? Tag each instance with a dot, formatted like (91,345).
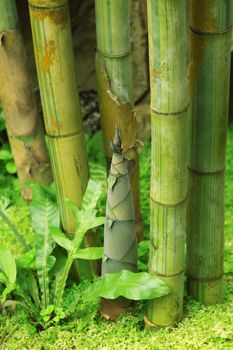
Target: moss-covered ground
(202,327)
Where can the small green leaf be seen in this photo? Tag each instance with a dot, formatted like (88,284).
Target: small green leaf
(134,286)
(91,253)
(10,167)
(2,121)
(5,154)
(142,267)
(143,248)
(61,239)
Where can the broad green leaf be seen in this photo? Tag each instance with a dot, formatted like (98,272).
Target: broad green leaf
(61,257)
(44,211)
(98,173)
(91,221)
(7,264)
(134,286)
(44,208)
(92,194)
(10,167)
(7,272)
(60,238)
(27,282)
(86,218)
(27,260)
(90,198)
(91,253)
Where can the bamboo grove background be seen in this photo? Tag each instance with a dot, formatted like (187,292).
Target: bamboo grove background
(189,70)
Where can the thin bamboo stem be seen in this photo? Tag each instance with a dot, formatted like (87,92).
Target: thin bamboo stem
(24,127)
(210,48)
(169,127)
(115,86)
(54,55)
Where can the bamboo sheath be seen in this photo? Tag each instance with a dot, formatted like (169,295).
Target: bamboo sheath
(115,86)
(24,127)
(210,34)
(120,241)
(53,48)
(169,128)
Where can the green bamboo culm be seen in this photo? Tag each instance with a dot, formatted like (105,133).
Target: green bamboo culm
(115,86)
(169,128)
(23,123)
(210,48)
(120,241)
(52,40)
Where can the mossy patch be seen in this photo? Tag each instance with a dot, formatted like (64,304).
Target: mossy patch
(203,327)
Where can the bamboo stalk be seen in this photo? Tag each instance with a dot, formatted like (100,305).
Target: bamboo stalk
(24,127)
(169,121)
(115,86)
(210,34)
(54,55)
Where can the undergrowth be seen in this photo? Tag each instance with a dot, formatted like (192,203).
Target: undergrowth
(202,328)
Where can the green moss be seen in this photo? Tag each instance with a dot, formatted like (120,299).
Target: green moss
(202,328)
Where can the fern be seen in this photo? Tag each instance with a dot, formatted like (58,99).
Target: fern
(44,212)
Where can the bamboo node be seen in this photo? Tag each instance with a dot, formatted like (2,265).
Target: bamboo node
(200,32)
(78,133)
(206,173)
(46,4)
(205,279)
(114,55)
(182,111)
(168,275)
(169,205)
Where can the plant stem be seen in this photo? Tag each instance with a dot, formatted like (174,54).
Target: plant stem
(78,239)
(62,283)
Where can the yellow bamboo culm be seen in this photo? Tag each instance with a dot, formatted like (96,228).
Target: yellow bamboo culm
(52,39)
(23,123)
